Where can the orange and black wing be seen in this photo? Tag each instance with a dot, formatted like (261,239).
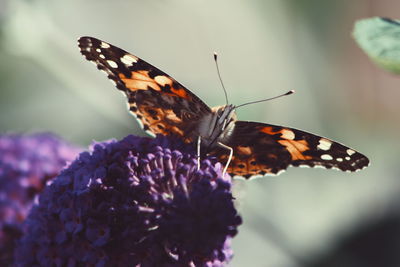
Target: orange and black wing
(160,103)
(268,149)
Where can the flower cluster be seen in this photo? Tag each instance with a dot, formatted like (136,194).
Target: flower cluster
(27,162)
(134,202)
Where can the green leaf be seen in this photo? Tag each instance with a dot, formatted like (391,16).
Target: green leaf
(380,39)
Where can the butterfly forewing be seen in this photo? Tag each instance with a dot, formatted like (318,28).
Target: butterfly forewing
(159,102)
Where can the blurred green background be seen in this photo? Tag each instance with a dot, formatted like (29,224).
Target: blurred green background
(265,48)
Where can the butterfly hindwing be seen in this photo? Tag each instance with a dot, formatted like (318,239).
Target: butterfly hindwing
(159,102)
(268,149)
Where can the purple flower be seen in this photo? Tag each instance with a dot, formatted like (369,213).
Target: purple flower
(135,202)
(27,162)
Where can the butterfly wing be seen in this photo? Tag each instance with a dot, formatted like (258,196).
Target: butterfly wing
(269,149)
(160,103)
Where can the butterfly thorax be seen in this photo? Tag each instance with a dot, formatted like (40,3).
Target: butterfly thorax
(217,126)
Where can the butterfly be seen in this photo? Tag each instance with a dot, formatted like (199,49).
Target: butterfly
(164,106)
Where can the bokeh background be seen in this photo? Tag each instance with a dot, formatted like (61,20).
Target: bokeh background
(304,217)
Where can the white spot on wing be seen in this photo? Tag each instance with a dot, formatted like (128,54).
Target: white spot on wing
(150,133)
(129,59)
(287,134)
(347,158)
(98,50)
(163,80)
(102,56)
(339,159)
(326,157)
(304,166)
(324,144)
(350,151)
(112,64)
(139,121)
(104,45)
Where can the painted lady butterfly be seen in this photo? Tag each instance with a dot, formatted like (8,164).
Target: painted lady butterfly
(164,106)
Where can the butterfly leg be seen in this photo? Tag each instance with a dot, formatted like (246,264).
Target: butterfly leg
(230,156)
(198,152)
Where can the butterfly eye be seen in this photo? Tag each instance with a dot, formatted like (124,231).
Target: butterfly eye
(219,112)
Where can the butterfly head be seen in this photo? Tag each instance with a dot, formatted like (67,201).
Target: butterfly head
(225,115)
(217,126)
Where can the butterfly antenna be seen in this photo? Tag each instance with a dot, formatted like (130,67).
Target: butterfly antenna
(258,101)
(219,76)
